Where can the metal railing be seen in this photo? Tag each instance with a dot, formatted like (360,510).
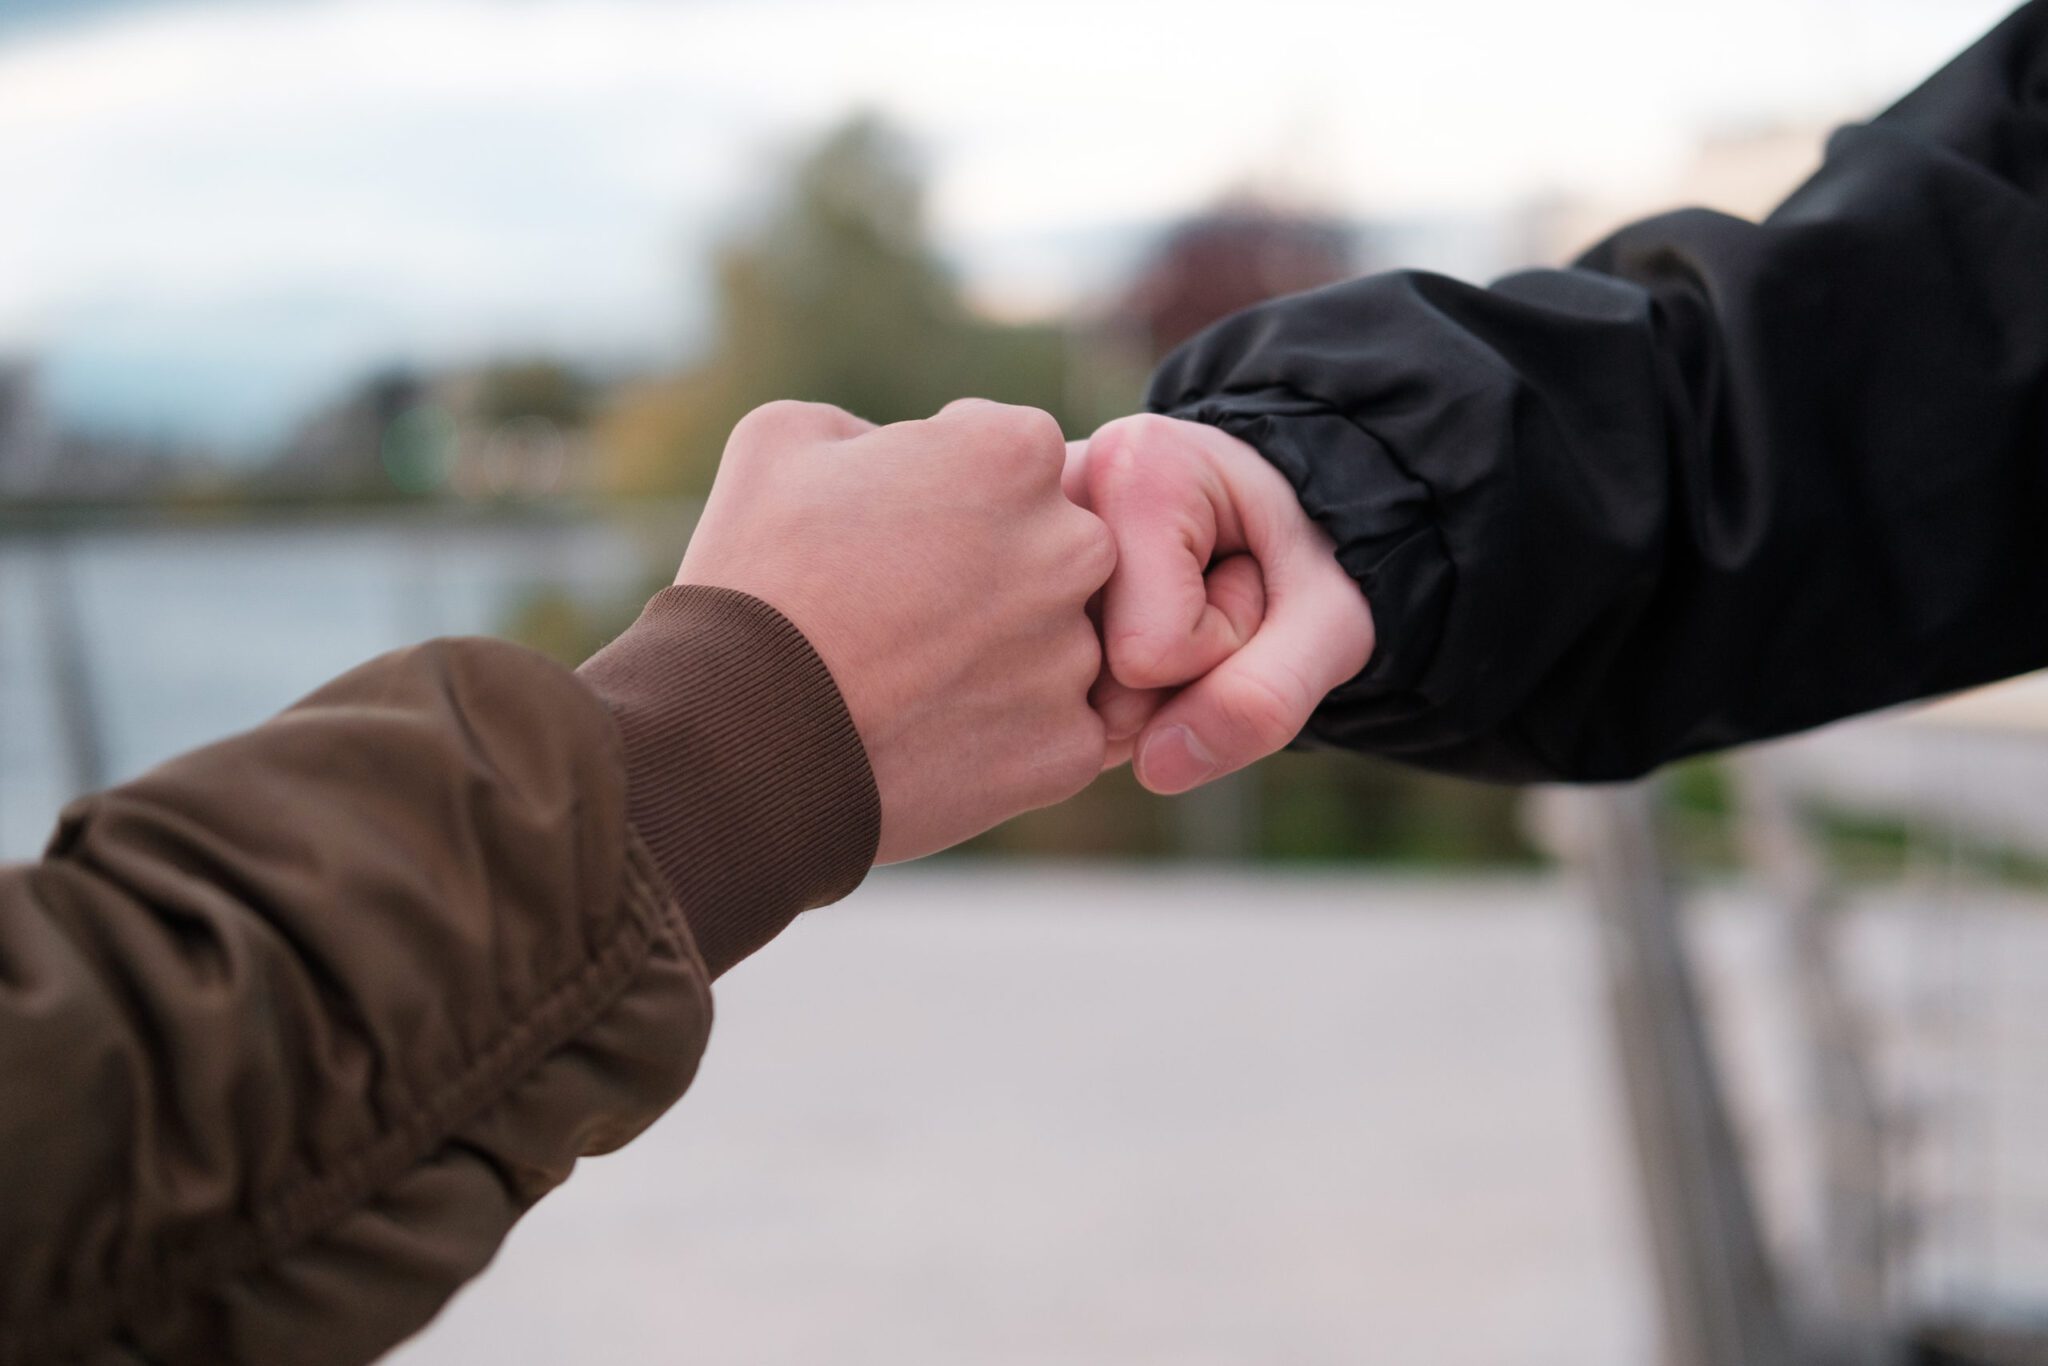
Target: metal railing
(1741,1283)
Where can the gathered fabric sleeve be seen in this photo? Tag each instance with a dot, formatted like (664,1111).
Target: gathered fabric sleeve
(1718,481)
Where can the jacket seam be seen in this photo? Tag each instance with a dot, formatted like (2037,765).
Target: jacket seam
(644,879)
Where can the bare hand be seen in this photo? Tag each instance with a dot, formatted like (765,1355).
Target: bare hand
(1227,619)
(939,572)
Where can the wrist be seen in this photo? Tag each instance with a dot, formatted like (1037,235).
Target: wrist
(745,776)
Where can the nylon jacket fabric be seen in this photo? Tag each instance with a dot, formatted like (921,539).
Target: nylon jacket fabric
(1718,481)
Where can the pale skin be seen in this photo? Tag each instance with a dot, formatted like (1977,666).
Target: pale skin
(1227,618)
(1007,614)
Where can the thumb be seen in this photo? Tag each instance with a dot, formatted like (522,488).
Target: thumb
(1257,700)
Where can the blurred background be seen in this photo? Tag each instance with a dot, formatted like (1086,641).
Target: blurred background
(328,325)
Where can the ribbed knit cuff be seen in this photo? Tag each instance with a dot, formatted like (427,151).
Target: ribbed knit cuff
(745,776)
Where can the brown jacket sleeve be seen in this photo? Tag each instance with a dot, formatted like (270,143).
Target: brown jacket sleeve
(294,1027)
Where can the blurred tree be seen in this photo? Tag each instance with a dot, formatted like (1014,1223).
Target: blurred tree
(836,296)
(508,391)
(1296,808)
(652,438)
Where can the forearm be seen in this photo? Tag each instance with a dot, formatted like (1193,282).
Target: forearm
(297,1026)
(293,1028)
(1722,481)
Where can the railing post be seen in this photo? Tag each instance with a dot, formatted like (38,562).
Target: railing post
(1848,1290)
(1719,1297)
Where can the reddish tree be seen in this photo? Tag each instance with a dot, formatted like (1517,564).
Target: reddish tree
(1227,259)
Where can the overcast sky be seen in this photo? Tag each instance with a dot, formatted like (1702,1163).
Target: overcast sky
(214,210)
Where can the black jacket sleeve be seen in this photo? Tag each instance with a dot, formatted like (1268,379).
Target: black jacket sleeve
(1718,481)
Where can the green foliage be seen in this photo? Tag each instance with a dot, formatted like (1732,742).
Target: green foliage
(1322,806)
(419,449)
(1880,849)
(513,390)
(837,296)
(1114,818)
(569,630)
(1292,808)
(1699,821)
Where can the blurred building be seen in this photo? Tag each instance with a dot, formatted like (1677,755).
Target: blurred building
(27,445)
(338,450)
(41,461)
(516,429)
(1745,172)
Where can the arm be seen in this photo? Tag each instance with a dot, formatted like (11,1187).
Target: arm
(1718,482)
(294,1028)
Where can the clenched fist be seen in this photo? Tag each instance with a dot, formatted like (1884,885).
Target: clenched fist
(1228,618)
(944,579)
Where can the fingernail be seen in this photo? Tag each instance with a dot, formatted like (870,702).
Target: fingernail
(1173,760)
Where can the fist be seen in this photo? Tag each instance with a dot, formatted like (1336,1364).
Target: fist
(944,578)
(1227,618)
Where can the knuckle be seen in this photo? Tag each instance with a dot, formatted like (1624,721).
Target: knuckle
(1142,659)
(1033,438)
(1132,439)
(1124,711)
(1085,658)
(1066,760)
(780,420)
(972,411)
(1076,758)
(1112,452)
(1043,428)
(1127,453)
(1264,711)
(1026,440)
(1152,432)
(979,412)
(1095,554)
(782,412)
